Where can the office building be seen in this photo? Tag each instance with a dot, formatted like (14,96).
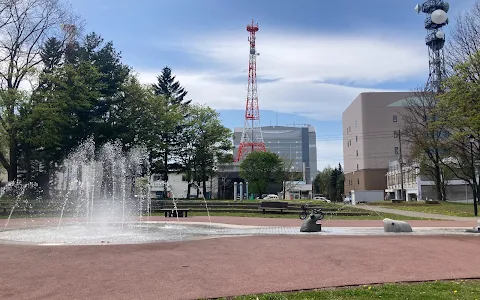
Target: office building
(296,145)
(370,139)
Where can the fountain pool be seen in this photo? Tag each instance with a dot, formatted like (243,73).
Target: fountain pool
(154,232)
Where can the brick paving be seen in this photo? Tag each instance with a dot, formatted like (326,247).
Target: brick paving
(233,265)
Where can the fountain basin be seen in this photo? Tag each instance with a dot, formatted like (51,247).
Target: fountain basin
(154,232)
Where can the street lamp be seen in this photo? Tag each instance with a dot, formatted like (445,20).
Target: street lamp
(471,139)
(417,180)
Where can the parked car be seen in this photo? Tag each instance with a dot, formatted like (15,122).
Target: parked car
(271,197)
(322,199)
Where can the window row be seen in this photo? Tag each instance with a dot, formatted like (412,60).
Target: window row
(350,182)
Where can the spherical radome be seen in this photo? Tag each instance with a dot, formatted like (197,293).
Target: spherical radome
(440,34)
(439,16)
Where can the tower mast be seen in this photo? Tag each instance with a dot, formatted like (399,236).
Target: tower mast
(252,138)
(436,19)
(70,32)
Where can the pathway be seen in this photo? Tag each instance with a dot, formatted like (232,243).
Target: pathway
(415,214)
(233,266)
(230,266)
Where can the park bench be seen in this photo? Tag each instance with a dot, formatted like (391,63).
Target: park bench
(170,212)
(273,205)
(398,201)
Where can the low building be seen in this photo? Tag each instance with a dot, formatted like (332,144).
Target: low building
(177,187)
(422,187)
(297,190)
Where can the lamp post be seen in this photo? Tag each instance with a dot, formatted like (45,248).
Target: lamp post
(417,180)
(471,139)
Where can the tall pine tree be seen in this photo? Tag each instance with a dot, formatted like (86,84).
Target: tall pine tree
(174,94)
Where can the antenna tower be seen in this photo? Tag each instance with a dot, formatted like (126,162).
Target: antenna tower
(252,138)
(70,31)
(436,11)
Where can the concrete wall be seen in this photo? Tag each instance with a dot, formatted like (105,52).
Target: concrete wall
(454,192)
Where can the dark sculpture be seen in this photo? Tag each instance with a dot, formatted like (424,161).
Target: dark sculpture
(310,224)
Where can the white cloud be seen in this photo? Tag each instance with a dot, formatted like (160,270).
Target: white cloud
(299,61)
(329,153)
(302,58)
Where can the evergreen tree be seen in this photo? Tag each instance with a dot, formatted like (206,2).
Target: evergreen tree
(171,89)
(51,53)
(174,94)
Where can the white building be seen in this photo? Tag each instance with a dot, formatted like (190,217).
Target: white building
(417,186)
(297,190)
(177,186)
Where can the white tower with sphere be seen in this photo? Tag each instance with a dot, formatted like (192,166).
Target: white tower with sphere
(436,19)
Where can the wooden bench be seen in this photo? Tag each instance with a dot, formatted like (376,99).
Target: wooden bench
(398,201)
(170,212)
(273,205)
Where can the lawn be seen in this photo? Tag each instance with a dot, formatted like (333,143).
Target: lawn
(444,208)
(372,216)
(438,290)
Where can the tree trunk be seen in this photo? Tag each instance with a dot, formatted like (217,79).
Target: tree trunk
(189,186)
(165,173)
(204,184)
(28,164)
(12,171)
(438,182)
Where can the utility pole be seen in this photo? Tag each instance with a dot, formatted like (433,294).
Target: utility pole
(400,160)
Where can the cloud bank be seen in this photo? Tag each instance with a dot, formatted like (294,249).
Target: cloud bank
(316,76)
(310,75)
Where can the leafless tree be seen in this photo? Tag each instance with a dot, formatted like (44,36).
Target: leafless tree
(464,39)
(25,25)
(290,176)
(424,136)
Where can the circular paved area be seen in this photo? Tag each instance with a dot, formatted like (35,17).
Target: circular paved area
(234,266)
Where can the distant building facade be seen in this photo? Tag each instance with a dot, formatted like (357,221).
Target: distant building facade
(296,145)
(421,187)
(370,138)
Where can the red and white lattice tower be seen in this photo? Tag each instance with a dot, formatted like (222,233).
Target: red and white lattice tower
(252,138)
(70,32)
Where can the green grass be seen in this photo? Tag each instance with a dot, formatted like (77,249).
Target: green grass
(438,290)
(372,216)
(444,208)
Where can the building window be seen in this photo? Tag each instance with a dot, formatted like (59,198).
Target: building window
(357,152)
(395,134)
(357,167)
(358,180)
(356,138)
(356,123)
(396,150)
(394,118)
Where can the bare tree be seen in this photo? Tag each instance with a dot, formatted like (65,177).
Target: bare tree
(465,37)
(424,136)
(24,27)
(290,176)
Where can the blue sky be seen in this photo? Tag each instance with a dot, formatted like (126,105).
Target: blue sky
(315,56)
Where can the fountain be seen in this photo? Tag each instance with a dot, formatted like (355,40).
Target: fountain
(102,196)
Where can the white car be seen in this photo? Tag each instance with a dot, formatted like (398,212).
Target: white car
(270,197)
(322,199)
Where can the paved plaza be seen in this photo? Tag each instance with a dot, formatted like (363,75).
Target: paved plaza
(235,265)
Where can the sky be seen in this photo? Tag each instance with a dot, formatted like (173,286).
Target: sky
(315,56)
